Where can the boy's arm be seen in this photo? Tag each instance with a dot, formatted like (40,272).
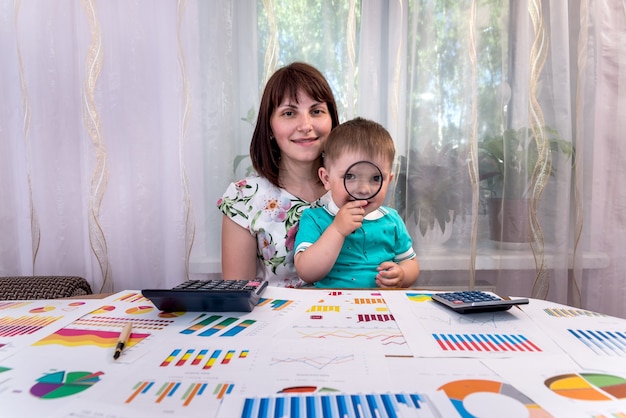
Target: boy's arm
(404,273)
(411,271)
(314,263)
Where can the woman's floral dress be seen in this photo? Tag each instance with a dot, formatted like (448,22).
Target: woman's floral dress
(271,214)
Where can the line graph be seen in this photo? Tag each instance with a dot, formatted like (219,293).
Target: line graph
(316,362)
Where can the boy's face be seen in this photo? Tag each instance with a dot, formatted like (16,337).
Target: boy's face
(334,173)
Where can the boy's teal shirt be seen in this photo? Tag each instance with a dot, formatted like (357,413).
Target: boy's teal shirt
(382,237)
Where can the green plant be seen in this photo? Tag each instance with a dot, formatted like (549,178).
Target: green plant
(242,161)
(435,186)
(507,160)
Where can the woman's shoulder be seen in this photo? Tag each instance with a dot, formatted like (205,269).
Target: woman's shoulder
(252,180)
(248,186)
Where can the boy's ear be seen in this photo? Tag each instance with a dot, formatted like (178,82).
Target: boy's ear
(324,177)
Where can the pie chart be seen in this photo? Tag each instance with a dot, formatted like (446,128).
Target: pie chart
(42,309)
(588,386)
(60,384)
(170,314)
(138,310)
(478,397)
(103,309)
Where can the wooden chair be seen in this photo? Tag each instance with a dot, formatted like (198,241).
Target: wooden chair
(42,287)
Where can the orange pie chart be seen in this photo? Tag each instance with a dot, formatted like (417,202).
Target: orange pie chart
(139,310)
(42,309)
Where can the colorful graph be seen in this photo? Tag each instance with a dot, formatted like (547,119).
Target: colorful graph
(170,314)
(485,342)
(223,389)
(375,317)
(103,310)
(324,308)
(139,310)
(183,393)
(368,301)
(419,297)
(385,337)
(12,305)
(42,309)
(458,392)
(226,327)
(11,327)
(196,357)
(330,404)
(307,389)
(570,313)
(71,337)
(132,297)
(316,362)
(588,386)
(274,304)
(604,343)
(73,305)
(60,384)
(110,321)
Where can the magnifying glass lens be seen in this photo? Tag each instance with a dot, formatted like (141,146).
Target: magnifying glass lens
(363,180)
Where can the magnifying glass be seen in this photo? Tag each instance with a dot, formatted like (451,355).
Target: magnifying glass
(363,180)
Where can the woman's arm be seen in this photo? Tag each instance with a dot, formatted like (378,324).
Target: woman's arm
(239,251)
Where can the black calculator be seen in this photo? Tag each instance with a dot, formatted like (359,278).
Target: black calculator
(215,295)
(469,301)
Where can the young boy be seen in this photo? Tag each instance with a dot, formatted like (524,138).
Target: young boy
(350,243)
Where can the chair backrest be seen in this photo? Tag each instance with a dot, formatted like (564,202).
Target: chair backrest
(42,287)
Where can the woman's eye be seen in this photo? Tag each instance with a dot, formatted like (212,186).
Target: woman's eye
(288,113)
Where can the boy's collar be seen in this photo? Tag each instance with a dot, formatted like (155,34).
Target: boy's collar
(331,207)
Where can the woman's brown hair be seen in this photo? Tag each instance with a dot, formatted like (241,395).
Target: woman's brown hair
(285,82)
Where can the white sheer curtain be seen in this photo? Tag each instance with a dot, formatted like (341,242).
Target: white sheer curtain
(96,140)
(121,124)
(601,106)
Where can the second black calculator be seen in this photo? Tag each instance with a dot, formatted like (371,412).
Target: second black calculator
(468,301)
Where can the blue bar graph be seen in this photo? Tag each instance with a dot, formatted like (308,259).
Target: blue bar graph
(337,405)
(603,343)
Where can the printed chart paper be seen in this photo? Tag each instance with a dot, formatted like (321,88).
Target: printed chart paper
(433,330)
(355,316)
(565,389)
(593,340)
(23,322)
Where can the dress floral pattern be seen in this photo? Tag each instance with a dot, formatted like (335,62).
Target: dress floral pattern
(271,214)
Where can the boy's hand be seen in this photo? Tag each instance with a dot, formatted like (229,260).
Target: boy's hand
(350,217)
(389,275)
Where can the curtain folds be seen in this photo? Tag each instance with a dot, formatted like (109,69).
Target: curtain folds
(122,123)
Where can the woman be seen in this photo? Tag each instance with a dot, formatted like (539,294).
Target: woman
(261,212)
